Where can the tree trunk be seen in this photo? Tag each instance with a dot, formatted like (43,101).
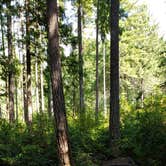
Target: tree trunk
(114,74)
(64,151)
(49,98)
(142,93)
(104,81)
(3,49)
(97,61)
(80,57)
(0,112)
(41,90)
(74,100)
(7,101)
(24,90)
(10,55)
(36,84)
(16,98)
(28,62)
(24,78)
(2,33)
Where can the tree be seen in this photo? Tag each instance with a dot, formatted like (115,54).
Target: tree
(64,151)
(114,73)
(81,82)
(97,60)
(3,53)
(104,77)
(28,115)
(11,80)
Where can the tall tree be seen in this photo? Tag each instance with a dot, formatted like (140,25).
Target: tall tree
(28,117)
(11,84)
(114,73)
(97,60)
(81,82)
(41,90)
(24,80)
(64,151)
(3,50)
(104,77)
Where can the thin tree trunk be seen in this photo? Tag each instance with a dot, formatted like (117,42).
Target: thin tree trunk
(74,101)
(2,33)
(25,90)
(104,81)
(114,74)
(28,62)
(64,151)
(142,93)
(42,87)
(81,82)
(37,85)
(24,78)
(10,55)
(16,98)
(3,49)
(49,98)
(35,9)
(41,90)
(0,112)
(97,61)
(7,101)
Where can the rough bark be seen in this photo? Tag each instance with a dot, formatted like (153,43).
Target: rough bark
(81,81)
(114,74)
(97,61)
(57,87)
(28,65)
(10,55)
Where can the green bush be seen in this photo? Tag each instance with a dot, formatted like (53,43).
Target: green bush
(144,132)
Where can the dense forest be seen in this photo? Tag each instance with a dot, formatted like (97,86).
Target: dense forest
(82,83)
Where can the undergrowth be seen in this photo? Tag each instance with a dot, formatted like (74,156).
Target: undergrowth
(143,134)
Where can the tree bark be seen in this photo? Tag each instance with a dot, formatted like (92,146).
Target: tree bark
(104,81)
(81,81)
(3,49)
(24,77)
(2,33)
(49,98)
(114,74)
(64,151)
(36,83)
(24,89)
(16,98)
(41,90)
(0,112)
(28,65)
(10,55)
(97,61)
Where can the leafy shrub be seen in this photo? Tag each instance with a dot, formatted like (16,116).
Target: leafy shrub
(144,133)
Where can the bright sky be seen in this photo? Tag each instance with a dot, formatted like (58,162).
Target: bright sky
(157,9)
